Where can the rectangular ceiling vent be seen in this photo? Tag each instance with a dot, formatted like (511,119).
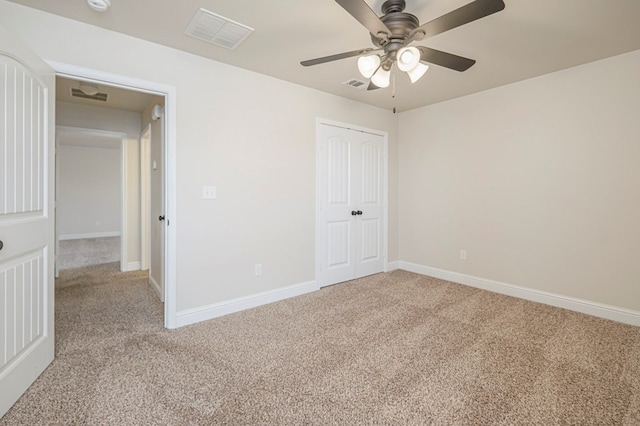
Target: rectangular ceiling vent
(218,30)
(355,83)
(77,93)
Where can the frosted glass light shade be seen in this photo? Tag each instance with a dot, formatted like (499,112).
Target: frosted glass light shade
(367,65)
(408,58)
(417,72)
(381,78)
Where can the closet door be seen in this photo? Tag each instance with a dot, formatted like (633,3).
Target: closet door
(351,204)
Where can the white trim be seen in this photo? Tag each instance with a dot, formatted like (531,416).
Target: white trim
(203,313)
(124,207)
(131,266)
(393,266)
(169,93)
(614,313)
(90,235)
(145,217)
(156,287)
(385,177)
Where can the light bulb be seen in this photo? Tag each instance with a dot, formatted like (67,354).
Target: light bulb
(99,5)
(408,58)
(417,72)
(367,65)
(381,78)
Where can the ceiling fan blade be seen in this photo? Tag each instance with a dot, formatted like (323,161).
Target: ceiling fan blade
(444,59)
(336,57)
(372,86)
(366,16)
(463,15)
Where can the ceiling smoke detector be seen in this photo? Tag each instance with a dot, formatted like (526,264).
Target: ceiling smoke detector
(99,5)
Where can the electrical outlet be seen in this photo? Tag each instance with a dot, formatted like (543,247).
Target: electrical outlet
(209,192)
(463,255)
(258,269)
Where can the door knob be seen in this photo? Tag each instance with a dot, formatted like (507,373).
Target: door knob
(359,212)
(160,218)
(353,212)
(1,244)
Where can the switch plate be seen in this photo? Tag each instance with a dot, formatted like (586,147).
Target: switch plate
(258,269)
(463,255)
(209,192)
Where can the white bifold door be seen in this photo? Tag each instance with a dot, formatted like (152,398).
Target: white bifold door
(351,222)
(26,218)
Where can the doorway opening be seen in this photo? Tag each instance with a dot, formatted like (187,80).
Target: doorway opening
(91,197)
(155,107)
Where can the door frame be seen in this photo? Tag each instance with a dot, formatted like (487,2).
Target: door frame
(169,93)
(144,197)
(385,188)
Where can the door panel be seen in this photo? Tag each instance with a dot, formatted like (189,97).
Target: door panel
(26,218)
(371,173)
(351,209)
(337,259)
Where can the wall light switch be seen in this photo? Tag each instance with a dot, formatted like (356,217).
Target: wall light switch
(209,192)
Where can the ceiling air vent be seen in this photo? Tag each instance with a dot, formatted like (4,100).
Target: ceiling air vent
(77,93)
(218,30)
(355,83)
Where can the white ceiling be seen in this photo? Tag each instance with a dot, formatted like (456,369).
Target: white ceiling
(527,39)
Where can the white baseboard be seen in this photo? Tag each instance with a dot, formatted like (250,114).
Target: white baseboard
(131,266)
(392,266)
(155,286)
(192,316)
(614,313)
(89,235)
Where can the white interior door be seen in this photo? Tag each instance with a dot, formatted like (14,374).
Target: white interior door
(351,219)
(157,223)
(27,88)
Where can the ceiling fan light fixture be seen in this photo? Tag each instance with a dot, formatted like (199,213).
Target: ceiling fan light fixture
(99,5)
(408,58)
(381,78)
(417,72)
(367,65)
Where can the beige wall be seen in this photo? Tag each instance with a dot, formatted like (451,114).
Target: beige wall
(88,191)
(539,181)
(250,135)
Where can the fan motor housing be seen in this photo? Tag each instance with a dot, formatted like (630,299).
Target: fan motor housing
(400,24)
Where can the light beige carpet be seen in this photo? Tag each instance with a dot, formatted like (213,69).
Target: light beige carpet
(87,252)
(396,348)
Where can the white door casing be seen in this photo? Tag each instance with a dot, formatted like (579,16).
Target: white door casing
(169,157)
(157,208)
(27,85)
(145,171)
(351,202)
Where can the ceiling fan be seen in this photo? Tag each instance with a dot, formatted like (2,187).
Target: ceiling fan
(395,30)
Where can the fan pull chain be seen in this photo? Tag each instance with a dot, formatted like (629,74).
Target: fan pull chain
(393,92)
